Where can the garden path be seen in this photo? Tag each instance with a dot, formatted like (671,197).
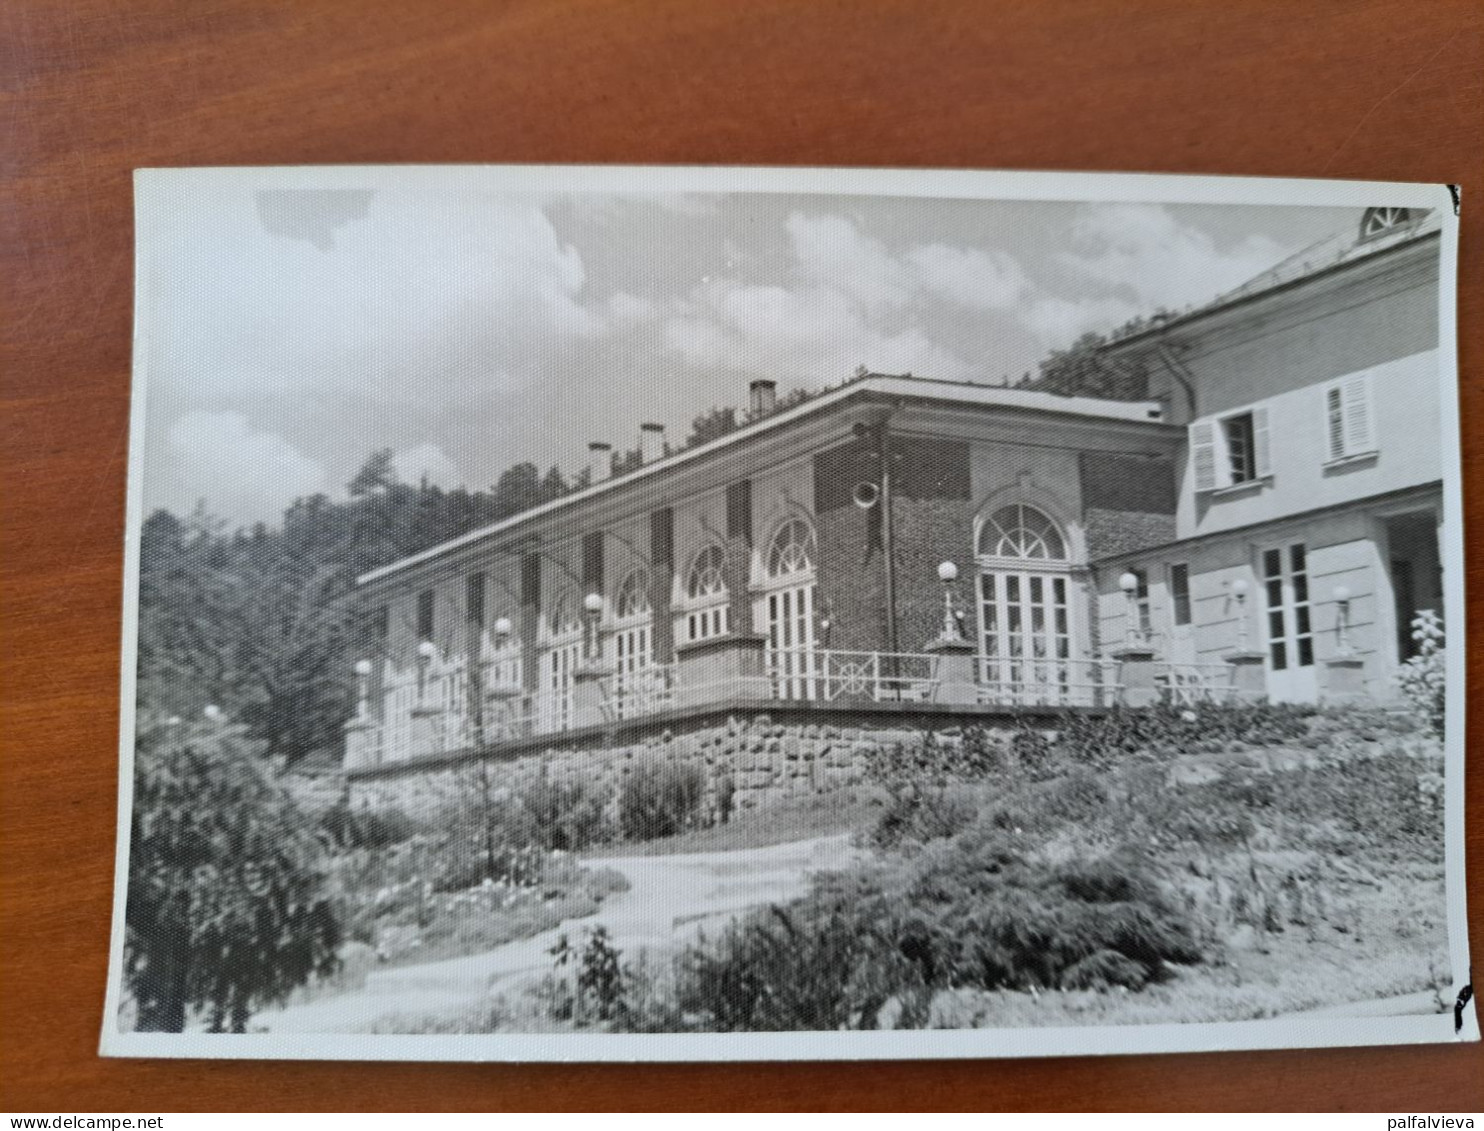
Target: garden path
(669,900)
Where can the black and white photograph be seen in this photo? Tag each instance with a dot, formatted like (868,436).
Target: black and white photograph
(699,614)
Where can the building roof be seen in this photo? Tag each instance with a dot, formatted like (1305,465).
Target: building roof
(957,393)
(1347,246)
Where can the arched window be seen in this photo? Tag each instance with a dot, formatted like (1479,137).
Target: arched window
(792,551)
(707,577)
(633,596)
(1024,533)
(563,616)
(706,585)
(1378,221)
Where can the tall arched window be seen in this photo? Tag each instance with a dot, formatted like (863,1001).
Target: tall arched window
(633,645)
(1022,532)
(708,613)
(1027,611)
(633,596)
(790,611)
(560,659)
(1378,221)
(792,550)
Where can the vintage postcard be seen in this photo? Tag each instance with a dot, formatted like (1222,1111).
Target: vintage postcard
(689,614)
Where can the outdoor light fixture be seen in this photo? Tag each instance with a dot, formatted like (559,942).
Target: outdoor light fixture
(213,713)
(503,627)
(592,608)
(363,676)
(593,603)
(948,574)
(1129,583)
(1341,594)
(427,651)
(1239,591)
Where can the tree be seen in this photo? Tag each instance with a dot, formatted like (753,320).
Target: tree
(228,909)
(712,425)
(1084,369)
(376,474)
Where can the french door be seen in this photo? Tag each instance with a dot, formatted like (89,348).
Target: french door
(791,655)
(558,671)
(633,654)
(1025,653)
(1287,624)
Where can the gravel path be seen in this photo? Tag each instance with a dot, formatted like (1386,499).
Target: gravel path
(670,899)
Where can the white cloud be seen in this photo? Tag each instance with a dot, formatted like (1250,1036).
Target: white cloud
(1144,249)
(969,276)
(426,461)
(244,475)
(402,298)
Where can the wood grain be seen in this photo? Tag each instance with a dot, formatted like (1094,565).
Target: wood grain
(1386,89)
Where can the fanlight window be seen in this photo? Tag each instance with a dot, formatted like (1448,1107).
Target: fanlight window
(1378,221)
(563,617)
(1019,531)
(633,595)
(707,577)
(792,550)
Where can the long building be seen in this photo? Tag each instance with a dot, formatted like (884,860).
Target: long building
(1264,523)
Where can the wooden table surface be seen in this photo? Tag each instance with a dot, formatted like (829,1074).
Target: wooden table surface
(90,89)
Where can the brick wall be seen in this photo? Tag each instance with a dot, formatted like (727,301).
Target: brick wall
(1128,503)
(926,532)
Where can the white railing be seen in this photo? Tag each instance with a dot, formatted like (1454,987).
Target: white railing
(1188,684)
(429,709)
(835,676)
(1044,682)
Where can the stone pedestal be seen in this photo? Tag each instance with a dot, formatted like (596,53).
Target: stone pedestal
(1136,674)
(955,670)
(500,715)
(427,730)
(724,667)
(361,743)
(587,693)
(1344,680)
(1249,675)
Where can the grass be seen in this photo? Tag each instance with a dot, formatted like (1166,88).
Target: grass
(818,815)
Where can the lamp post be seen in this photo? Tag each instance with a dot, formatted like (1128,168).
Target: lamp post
(948,575)
(1239,593)
(592,610)
(1129,583)
(427,651)
(1342,595)
(363,687)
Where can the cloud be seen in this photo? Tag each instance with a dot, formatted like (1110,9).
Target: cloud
(244,475)
(1143,249)
(426,462)
(846,300)
(398,297)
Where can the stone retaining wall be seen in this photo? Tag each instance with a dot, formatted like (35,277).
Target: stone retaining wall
(753,762)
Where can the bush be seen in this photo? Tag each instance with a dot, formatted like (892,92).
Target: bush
(1165,730)
(368,828)
(228,909)
(1424,678)
(660,800)
(567,817)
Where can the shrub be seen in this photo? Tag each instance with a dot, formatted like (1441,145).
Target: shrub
(659,800)
(1165,730)
(227,909)
(567,817)
(1424,678)
(368,828)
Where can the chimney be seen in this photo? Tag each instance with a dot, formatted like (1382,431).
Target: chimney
(651,442)
(764,397)
(599,461)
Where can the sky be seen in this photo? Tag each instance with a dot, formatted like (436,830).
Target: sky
(293,332)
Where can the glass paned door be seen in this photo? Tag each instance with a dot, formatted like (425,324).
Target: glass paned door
(1289,628)
(1025,637)
(791,656)
(558,671)
(633,653)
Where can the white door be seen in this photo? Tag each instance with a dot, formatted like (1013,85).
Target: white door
(633,653)
(1025,637)
(791,656)
(1287,624)
(558,668)
(1179,615)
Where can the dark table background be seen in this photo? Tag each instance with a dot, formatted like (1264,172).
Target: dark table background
(89,90)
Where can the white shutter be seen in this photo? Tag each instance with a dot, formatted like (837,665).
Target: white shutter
(1359,428)
(1334,421)
(1203,454)
(1261,459)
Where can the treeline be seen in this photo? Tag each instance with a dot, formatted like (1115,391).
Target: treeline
(257,621)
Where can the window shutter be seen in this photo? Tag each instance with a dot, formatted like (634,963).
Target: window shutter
(1262,464)
(1203,454)
(1359,430)
(1334,421)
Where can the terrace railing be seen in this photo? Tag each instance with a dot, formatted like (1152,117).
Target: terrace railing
(433,711)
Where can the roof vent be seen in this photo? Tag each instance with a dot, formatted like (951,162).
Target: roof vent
(599,461)
(651,442)
(763,397)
